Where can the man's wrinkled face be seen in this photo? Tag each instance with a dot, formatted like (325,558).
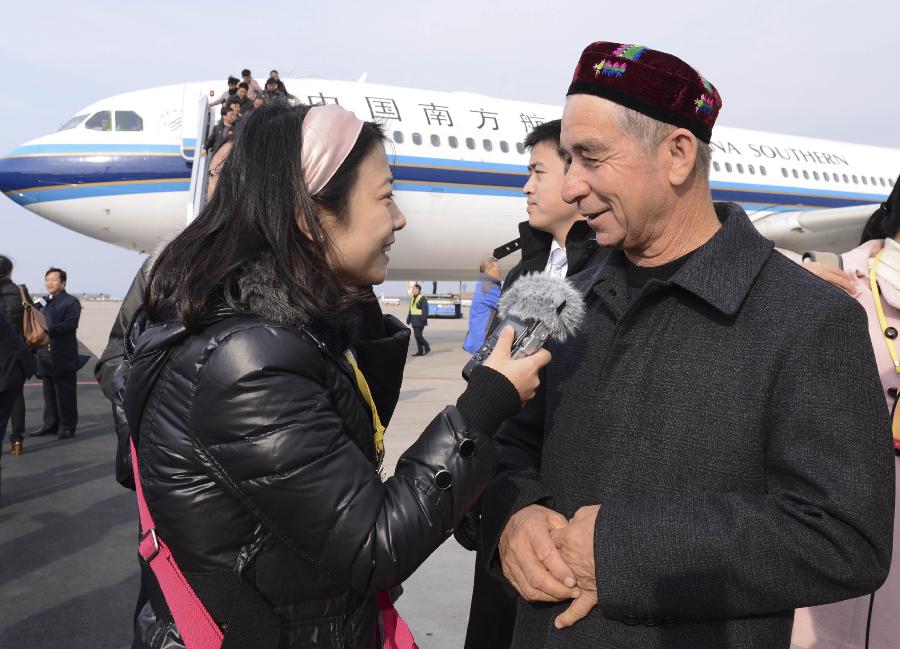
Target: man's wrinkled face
(618,187)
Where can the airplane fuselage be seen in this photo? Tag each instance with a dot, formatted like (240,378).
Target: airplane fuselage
(457,159)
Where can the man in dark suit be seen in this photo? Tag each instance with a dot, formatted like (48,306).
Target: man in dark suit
(555,240)
(711,450)
(58,364)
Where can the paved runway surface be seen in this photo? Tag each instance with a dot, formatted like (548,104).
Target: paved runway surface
(68,568)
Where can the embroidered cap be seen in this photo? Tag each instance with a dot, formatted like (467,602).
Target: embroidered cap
(654,83)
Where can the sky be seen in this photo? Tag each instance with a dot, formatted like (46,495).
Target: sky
(821,68)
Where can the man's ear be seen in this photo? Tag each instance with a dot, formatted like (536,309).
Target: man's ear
(682,149)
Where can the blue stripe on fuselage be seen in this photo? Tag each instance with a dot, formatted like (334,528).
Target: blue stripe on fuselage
(92,191)
(459,177)
(39,172)
(401,160)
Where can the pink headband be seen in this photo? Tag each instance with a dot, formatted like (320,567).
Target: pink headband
(329,133)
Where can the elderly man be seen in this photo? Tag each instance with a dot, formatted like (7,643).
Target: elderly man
(712,450)
(485,299)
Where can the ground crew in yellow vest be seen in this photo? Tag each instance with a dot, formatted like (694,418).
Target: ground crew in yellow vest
(418,319)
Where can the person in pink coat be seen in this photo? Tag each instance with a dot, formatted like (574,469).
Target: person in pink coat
(843,625)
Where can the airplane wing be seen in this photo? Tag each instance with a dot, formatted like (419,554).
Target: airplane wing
(835,229)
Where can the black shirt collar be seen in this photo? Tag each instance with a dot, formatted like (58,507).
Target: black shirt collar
(636,276)
(720,272)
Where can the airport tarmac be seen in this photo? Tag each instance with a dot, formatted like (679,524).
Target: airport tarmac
(68,570)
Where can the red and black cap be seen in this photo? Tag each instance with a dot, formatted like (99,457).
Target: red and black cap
(654,83)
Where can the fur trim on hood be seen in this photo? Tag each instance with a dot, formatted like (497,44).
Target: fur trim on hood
(263,294)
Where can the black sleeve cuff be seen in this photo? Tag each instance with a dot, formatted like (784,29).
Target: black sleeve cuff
(489,400)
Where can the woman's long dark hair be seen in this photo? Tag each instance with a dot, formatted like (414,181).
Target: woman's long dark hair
(252,214)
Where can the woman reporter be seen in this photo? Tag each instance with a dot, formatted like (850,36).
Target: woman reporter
(259,391)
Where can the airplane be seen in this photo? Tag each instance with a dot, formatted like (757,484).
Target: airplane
(129,170)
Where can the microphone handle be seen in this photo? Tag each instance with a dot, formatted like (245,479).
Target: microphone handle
(531,341)
(524,333)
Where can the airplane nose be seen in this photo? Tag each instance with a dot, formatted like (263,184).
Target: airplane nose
(28,170)
(18,174)
(7,175)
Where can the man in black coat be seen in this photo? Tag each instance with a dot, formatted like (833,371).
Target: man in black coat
(58,364)
(109,362)
(712,450)
(12,310)
(555,239)
(15,367)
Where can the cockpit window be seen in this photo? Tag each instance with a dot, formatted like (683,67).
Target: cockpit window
(101,121)
(128,120)
(72,123)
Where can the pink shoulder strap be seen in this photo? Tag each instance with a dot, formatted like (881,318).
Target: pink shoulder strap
(396,633)
(195,624)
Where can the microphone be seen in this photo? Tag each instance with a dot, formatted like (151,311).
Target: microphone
(538,307)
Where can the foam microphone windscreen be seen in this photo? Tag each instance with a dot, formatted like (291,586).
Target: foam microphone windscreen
(539,297)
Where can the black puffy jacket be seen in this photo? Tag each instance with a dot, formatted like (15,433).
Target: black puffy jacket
(11,303)
(260,407)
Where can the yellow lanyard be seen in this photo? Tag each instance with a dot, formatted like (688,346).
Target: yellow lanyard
(873,282)
(363,386)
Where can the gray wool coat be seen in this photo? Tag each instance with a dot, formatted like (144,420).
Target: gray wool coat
(730,423)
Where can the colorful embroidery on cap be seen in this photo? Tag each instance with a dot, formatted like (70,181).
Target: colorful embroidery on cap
(630,52)
(610,68)
(704,104)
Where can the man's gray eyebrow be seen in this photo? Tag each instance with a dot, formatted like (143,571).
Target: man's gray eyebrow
(590,146)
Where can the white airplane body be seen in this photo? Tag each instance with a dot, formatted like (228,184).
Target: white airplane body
(458,163)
